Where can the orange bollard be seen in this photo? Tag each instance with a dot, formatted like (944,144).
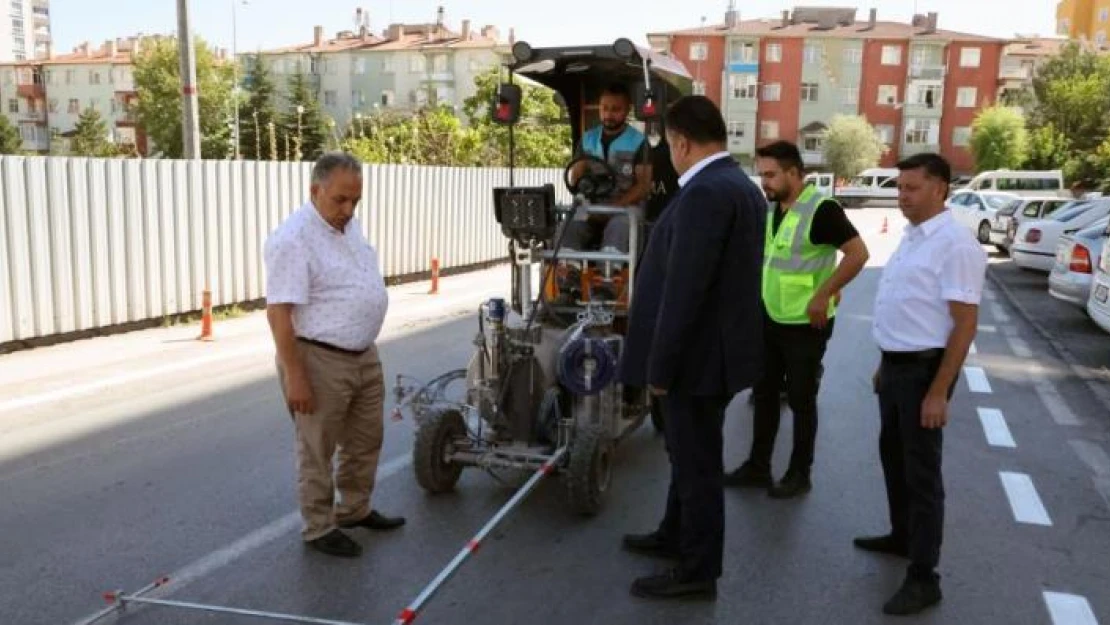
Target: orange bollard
(206,317)
(435,276)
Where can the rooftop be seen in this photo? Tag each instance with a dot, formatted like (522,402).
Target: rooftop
(832,23)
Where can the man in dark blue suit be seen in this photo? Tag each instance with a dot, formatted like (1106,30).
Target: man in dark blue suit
(695,339)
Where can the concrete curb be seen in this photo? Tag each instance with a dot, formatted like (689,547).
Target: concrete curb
(1099,388)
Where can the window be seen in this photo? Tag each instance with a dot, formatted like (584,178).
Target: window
(885,132)
(1100,37)
(417,63)
(742,53)
(970,57)
(94,104)
(888,95)
(742,87)
(13,105)
(769,130)
(927,96)
(333,67)
(853,56)
(94,77)
(330,98)
(812,53)
(699,87)
(774,53)
(737,130)
(699,51)
(52,105)
(74,106)
(849,96)
(809,92)
(360,66)
(813,144)
(71,76)
(966,97)
(1104,15)
(439,64)
(772,92)
(961,136)
(387,65)
(921,132)
(387,98)
(892,55)
(357,99)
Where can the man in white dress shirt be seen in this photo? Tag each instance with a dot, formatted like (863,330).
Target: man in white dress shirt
(326,302)
(925,318)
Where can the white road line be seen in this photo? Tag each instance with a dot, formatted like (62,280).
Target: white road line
(1024,500)
(1068,609)
(977,380)
(1000,315)
(995,428)
(988,328)
(260,537)
(1019,347)
(1093,456)
(133,376)
(1054,402)
(973,349)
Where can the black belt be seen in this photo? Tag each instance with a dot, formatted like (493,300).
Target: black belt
(927,355)
(332,348)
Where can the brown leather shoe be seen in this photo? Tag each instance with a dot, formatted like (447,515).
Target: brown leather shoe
(336,543)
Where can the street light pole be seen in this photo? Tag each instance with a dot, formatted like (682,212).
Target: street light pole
(190,116)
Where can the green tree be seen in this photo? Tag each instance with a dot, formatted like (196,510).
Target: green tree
(1048,148)
(851,146)
(432,136)
(11,142)
(90,136)
(303,121)
(1072,93)
(999,139)
(158,83)
(256,113)
(541,138)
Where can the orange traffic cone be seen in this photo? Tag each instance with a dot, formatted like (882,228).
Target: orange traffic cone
(435,276)
(206,317)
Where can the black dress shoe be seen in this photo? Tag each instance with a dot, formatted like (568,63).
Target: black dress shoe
(652,544)
(377,521)
(748,476)
(670,585)
(336,543)
(888,544)
(914,596)
(793,484)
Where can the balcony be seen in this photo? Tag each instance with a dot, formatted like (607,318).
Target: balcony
(928,72)
(440,77)
(40,4)
(812,158)
(31,91)
(1019,74)
(35,116)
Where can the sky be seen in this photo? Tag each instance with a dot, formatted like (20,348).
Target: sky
(263,24)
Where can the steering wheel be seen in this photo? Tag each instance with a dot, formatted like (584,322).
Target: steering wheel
(598,181)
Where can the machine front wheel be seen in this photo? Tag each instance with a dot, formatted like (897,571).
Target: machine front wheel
(590,471)
(434,472)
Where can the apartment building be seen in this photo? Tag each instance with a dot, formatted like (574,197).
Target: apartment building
(1084,20)
(787,77)
(44,98)
(24,29)
(405,67)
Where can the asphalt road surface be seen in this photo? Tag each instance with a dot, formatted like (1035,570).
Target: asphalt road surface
(126,458)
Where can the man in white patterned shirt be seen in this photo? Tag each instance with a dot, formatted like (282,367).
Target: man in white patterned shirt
(925,318)
(326,302)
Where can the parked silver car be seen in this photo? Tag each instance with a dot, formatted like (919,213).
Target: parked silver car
(1077,256)
(1006,221)
(1098,306)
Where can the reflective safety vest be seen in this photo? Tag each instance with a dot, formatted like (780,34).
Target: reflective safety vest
(793,267)
(622,154)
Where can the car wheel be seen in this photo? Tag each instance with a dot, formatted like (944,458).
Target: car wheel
(984,232)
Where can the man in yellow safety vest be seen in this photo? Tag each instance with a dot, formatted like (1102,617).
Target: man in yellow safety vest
(801,285)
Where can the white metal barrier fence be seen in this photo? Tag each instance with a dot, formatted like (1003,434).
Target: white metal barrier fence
(92,243)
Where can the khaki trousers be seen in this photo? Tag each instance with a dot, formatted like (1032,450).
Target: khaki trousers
(347,425)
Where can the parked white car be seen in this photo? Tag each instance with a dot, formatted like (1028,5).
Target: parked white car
(1006,221)
(978,209)
(1035,243)
(1098,304)
(869,185)
(1077,255)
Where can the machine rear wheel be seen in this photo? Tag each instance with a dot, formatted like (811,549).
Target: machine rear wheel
(590,471)
(434,472)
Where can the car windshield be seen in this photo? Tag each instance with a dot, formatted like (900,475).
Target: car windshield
(1064,216)
(1010,209)
(999,202)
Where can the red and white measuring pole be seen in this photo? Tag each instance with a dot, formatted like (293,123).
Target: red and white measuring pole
(409,614)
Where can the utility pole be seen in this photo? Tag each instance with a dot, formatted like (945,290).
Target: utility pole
(190,116)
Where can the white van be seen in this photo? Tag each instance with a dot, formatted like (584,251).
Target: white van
(824,181)
(1026,183)
(870,185)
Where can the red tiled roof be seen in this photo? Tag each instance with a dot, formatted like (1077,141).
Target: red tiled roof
(413,37)
(858,30)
